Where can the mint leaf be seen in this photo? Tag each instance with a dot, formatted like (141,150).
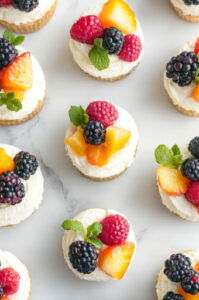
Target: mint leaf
(78,116)
(18,40)
(94,230)
(178,160)
(14,104)
(197,76)
(2,99)
(176,150)
(73,225)
(98,56)
(164,155)
(96,242)
(9,35)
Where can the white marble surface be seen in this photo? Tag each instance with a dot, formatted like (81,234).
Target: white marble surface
(37,241)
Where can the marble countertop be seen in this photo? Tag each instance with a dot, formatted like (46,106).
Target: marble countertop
(37,241)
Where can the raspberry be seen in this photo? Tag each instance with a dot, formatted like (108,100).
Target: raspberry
(87,29)
(4,3)
(9,280)
(131,49)
(103,112)
(196,48)
(115,230)
(192,194)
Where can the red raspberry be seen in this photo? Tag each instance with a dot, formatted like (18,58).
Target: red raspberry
(4,3)
(9,280)
(131,49)
(86,29)
(192,194)
(196,48)
(115,230)
(103,112)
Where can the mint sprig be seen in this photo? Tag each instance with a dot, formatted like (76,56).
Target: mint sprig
(78,116)
(99,56)
(169,157)
(197,73)
(10,101)
(90,236)
(15,40)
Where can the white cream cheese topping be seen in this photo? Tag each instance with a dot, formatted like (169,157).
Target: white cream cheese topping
(88,217)
(192,9)
(120,161)
(14,214)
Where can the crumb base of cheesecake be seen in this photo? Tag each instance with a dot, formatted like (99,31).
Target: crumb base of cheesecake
(188,18)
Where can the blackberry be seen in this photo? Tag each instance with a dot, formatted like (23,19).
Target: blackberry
(8,52)
(182,68)
(191,2)
(177,267)
(12,190)
(194,147)
(1,291)
(25,165)
(113,40)
(94,133)
(190,284)
(83,257)
(190,169)
(25,5)
(172,296)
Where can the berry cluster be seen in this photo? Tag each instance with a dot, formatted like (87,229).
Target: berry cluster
(9,282)
(8,52)
(191,2)
(25,165)
(179,269)
(173,296)
(23,5)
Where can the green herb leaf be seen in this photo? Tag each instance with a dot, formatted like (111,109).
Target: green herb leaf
(2,99)
(96,242)
(176,150)
(14,104)
(73,225)
(94,229)
(164,155)
(99,56)
(78,116)
(197,76)
(178,160)
(18,40)
(9,35)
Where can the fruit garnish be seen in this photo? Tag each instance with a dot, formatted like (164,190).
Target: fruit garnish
(172,296)
(19,94)
(77,143)
(190,169)
(9,280)
(6,162)
(26,165)
(18,75)
(172,181)
(195,93)
(97,155)
(113,40)
(15,40)
(117,13)
(94,133)
(4,3)
(10,101)
(196,48)
(188,296)
(131,49)
(196,267)
(26,5)
(114,260)
(99,56)
(169,157)
(193,147)
(78,116)
(192,194)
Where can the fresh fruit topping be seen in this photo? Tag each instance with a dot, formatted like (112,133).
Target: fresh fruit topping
(187,296)
(173,296)
(114,260)
(196,48)
(94,133)
(194,147)
(182,68)
(195,93)
(190,169)
(117,13)
(196,267)
(99,56)
(97,155)
(11,102)
(113,40)
(191,2)
(103,112)
(18,94)
(12,190)
(18,75)
(87,29)
(116,138)
(8,53)
(4,3)
(192,194)
(131,49)
(172,181)
(25,165)
(115,230)
(9,280)
(25,5)
(6,162)
(190,284)
(177,267)
(77,143)
(83,257)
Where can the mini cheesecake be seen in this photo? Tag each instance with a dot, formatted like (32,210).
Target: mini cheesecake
(101,141)
(107,41)
(26,16)
(187,9)
(178,179)
(171,284)
(104,235)
(22,198)
(181,78)
(15,282)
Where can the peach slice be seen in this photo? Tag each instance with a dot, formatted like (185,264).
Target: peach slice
(117,138)
(195,93)
(77,143)
(188,296)
(6,162)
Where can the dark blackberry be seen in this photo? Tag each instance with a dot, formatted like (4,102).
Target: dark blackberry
(94,133)
(83,257)
(177,267)
(113,40)
(8,52)
(172,296)
(25,5)
(191,2)
(1,292)
(25,165)
(182,68)
(190,169)
(194,147)
(12,190)
(190,284)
